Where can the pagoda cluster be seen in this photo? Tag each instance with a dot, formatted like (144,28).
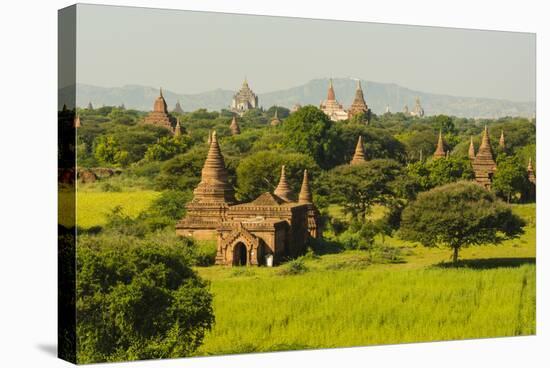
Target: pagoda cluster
(335,110)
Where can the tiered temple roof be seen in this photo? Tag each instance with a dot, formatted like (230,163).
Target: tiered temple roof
(283,189)
(305,192)
(359,155)
(244,99)
(178,108)
(159,116)
(440,149)
(484,164)
(331,107)
(234,127)
(358,105)
(214,185)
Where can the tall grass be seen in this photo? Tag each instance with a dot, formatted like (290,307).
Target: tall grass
(365,307)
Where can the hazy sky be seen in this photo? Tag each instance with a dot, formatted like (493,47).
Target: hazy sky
(191,52)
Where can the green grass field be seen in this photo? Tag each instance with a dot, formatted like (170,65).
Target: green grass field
(355,303)
(343,301)
(92,207)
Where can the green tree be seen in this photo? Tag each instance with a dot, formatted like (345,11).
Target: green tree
(311,132)
(448,170)
(107,152)
(459,215)
(359,187)
(510,178)
(260,172)
(182,172)
(166,148)
(138,300)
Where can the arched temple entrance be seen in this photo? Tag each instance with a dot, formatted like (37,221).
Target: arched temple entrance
(239,254)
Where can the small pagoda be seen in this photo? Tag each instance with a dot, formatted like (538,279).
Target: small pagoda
(159,116)
(177,108)
(484,164)
(359,154)
(359,106)
(440,149)
(275,121)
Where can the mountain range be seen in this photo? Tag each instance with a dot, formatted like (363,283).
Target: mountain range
(377,96)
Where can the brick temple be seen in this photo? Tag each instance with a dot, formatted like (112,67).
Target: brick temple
(331,107)
(160,116)
(245,99)
(359,106)
(273,226)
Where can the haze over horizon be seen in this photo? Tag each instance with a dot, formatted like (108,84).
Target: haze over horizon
(193,52)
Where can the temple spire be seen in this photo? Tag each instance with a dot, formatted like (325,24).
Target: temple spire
(359,155)
(275,121)
(214,185)
(485,147)
(209,137)
(530,166)
(331,95)
(440,149)
(305,192)
(234,127)
(177,129)
(501,141)
(472,150)
(161,92)
(283,190)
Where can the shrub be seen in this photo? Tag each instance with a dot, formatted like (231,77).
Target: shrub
(138,300)
(294,267)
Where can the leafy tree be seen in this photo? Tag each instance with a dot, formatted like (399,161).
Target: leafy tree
(359,187)
(138,300)
(182,172)
(260,172)
(448,170)
(166,148)
(445,123)
(108,152)
(459,215)
(282,112)
(311,132)
(510,177)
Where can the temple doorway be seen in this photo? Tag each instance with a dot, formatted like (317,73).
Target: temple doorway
(239,255)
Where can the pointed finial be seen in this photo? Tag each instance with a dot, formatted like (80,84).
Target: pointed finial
(234,127)
(440,149)
(331,95)
(209,137)
(530,166)
(359,154)
(161,92)
(305,192)
(283,190)
(359,84)
(501,142)
(177,129)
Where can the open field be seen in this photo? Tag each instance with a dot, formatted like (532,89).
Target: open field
(92,207)
(342,301)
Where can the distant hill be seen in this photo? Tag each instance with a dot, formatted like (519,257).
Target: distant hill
(377,96)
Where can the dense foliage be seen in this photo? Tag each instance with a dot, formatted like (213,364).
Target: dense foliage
(138,299)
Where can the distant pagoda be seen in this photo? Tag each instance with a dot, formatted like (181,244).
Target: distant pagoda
(234,127)
(440,149)
(502,141)
(359,154)
(484,164)
(331,107)
(159,116)
(275,121)
(418,109)
(90,106)
(178,108)
(359,106)
(244,100)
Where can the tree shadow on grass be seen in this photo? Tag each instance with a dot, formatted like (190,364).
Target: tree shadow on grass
(489,263)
